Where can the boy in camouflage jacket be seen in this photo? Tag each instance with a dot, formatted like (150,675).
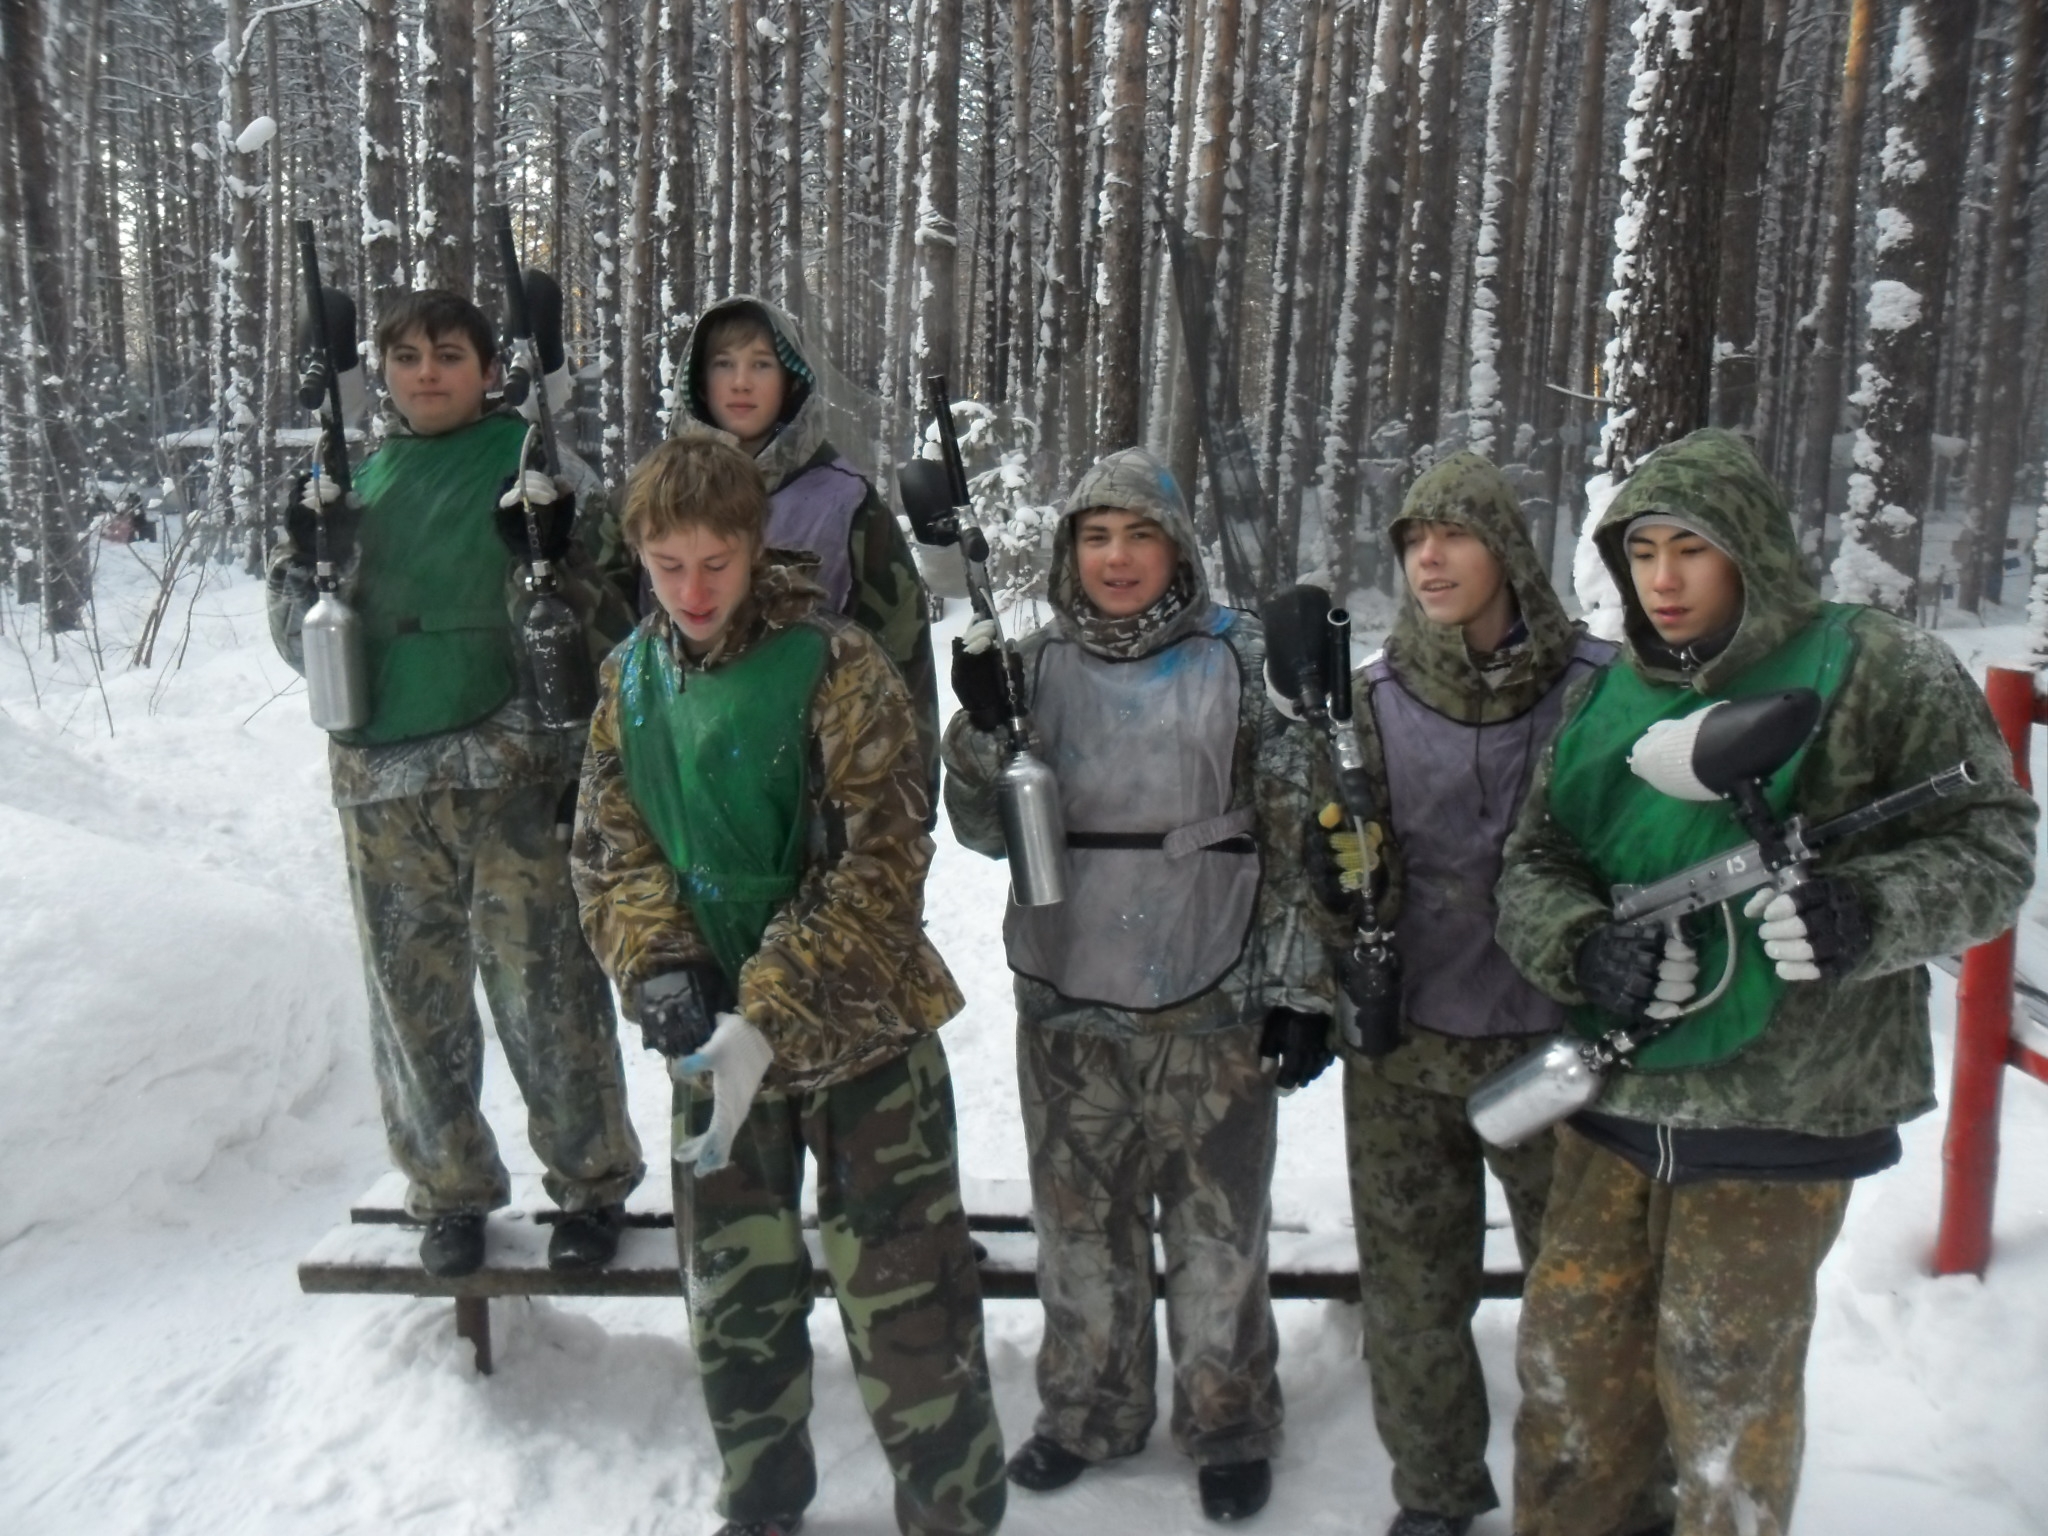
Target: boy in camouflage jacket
(1452,717)
(454,800)
(1670,1308)
(1186,953)
(750,854)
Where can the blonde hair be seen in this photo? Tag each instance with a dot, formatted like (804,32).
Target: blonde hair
(694,482)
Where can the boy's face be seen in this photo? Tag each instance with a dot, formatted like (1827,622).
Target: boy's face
(437,382)
(1688,588)
(1455,577)
(743,385)
(1125,561)
(700,579)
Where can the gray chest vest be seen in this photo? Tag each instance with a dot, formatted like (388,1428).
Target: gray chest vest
(1456,789)
(1161,872)
(814,511)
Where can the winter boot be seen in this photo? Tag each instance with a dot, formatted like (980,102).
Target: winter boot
(585,1239)
(781,1525)
(1042,1465)
(1236,1490)
(1424,1522)
(453,1245)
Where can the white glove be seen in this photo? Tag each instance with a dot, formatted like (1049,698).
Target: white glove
(978,636)
(1784,934)
(321,492)
(1678,975)
(737,1056)
(1287,707)
(540,489)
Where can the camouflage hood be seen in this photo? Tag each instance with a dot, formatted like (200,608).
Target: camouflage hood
(1433,660)
(1129,481)
(1711,481)
(803,430)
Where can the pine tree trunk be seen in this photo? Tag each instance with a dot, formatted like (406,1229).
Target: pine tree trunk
(1063,259)
(792,265)
(1879,558)
(1013,312)
(638,319)
(1492,264)
(744,154)
(484,157)
(1516,333)
(1759,44)
(938,214)
(836,273)
(1831,303)
(899,393)
(1119,292)
(1431,208)
(677,203)
(447,253)
(1660,365)
(1995,458)
(1286,257)
(383,150)
(613,361)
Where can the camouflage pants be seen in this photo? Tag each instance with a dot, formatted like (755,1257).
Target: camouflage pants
(894,1237)
(1418,1202)
(1113,1127)
(446,885)
(1667,1320)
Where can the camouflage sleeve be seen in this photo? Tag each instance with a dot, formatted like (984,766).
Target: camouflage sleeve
(1293,779)
(633,913)
(1956,873)
(889,603)
(600,539)
(288,595)
(852,936)
(1548,896)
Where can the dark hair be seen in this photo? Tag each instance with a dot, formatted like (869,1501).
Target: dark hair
(437,313)
(736,327)
(695,481)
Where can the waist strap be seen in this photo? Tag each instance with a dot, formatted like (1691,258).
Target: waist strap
(1219,834)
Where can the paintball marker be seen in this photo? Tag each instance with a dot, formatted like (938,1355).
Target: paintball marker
(564,687)
(1724,752)
(1308,655)
(1027,794)
(337,678)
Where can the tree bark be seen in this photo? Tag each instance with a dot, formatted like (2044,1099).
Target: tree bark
(447,253)
(793,295)
(1119,292)
(938,213)
(383,149)
(743,151)
(1494,270)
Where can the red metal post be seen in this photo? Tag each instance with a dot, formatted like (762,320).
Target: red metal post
(1969,1151)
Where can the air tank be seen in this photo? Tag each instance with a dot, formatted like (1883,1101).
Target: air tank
(1526,1098)
(337,678)
(1034,830)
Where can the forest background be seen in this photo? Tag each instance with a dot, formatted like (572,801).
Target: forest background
(1556,231)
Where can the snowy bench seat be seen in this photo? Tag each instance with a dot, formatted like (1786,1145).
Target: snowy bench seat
(376,1252)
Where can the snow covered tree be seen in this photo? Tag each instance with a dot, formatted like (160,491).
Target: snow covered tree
(1119,293)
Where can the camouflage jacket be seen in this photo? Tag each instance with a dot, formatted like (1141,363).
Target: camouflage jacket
(888,595)
(1841,1058)
(1280,772)
(845,978)
(511,749)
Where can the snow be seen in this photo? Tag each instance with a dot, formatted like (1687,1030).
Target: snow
(1894,306)
(186,1107)
(254,137)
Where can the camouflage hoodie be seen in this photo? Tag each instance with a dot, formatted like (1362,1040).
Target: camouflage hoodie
(887,597)
(1285,961)
(511,749)
(844,979)
(1842,1058)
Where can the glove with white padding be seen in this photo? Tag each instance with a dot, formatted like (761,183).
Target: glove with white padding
(1636,970)
(1816,931)
(737,1057)
(315,499)
(554,514)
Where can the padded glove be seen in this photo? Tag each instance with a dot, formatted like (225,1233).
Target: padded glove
(554,514)
(978,676)
(1337,865)
(678,1008)
(737,1057)
(314,497)
(1300,1043)
(1636,970)
(1816,931)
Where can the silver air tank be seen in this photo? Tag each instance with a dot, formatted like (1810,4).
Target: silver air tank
(1034,829)
(564,691)
(1530,1096)
(337,678)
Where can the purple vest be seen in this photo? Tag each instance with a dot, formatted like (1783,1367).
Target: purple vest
(1455,790)
(814,510)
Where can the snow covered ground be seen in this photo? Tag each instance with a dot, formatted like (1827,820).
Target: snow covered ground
(186,1105)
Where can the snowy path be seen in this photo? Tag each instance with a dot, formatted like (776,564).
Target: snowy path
(185,1106)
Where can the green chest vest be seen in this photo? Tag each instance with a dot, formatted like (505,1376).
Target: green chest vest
(431,590)
(1632,834)
(717,764)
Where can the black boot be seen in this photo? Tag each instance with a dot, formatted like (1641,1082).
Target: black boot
(585,1239)
(1042,1465)
(781,1525)
(1236,1490)
(453,1245)
(1425,1522)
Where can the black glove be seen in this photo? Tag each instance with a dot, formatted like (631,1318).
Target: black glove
(554,516)
(342,513)
(1300,1042)
(678,1009)
(1617,967)
(978,684)
(1816,931)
